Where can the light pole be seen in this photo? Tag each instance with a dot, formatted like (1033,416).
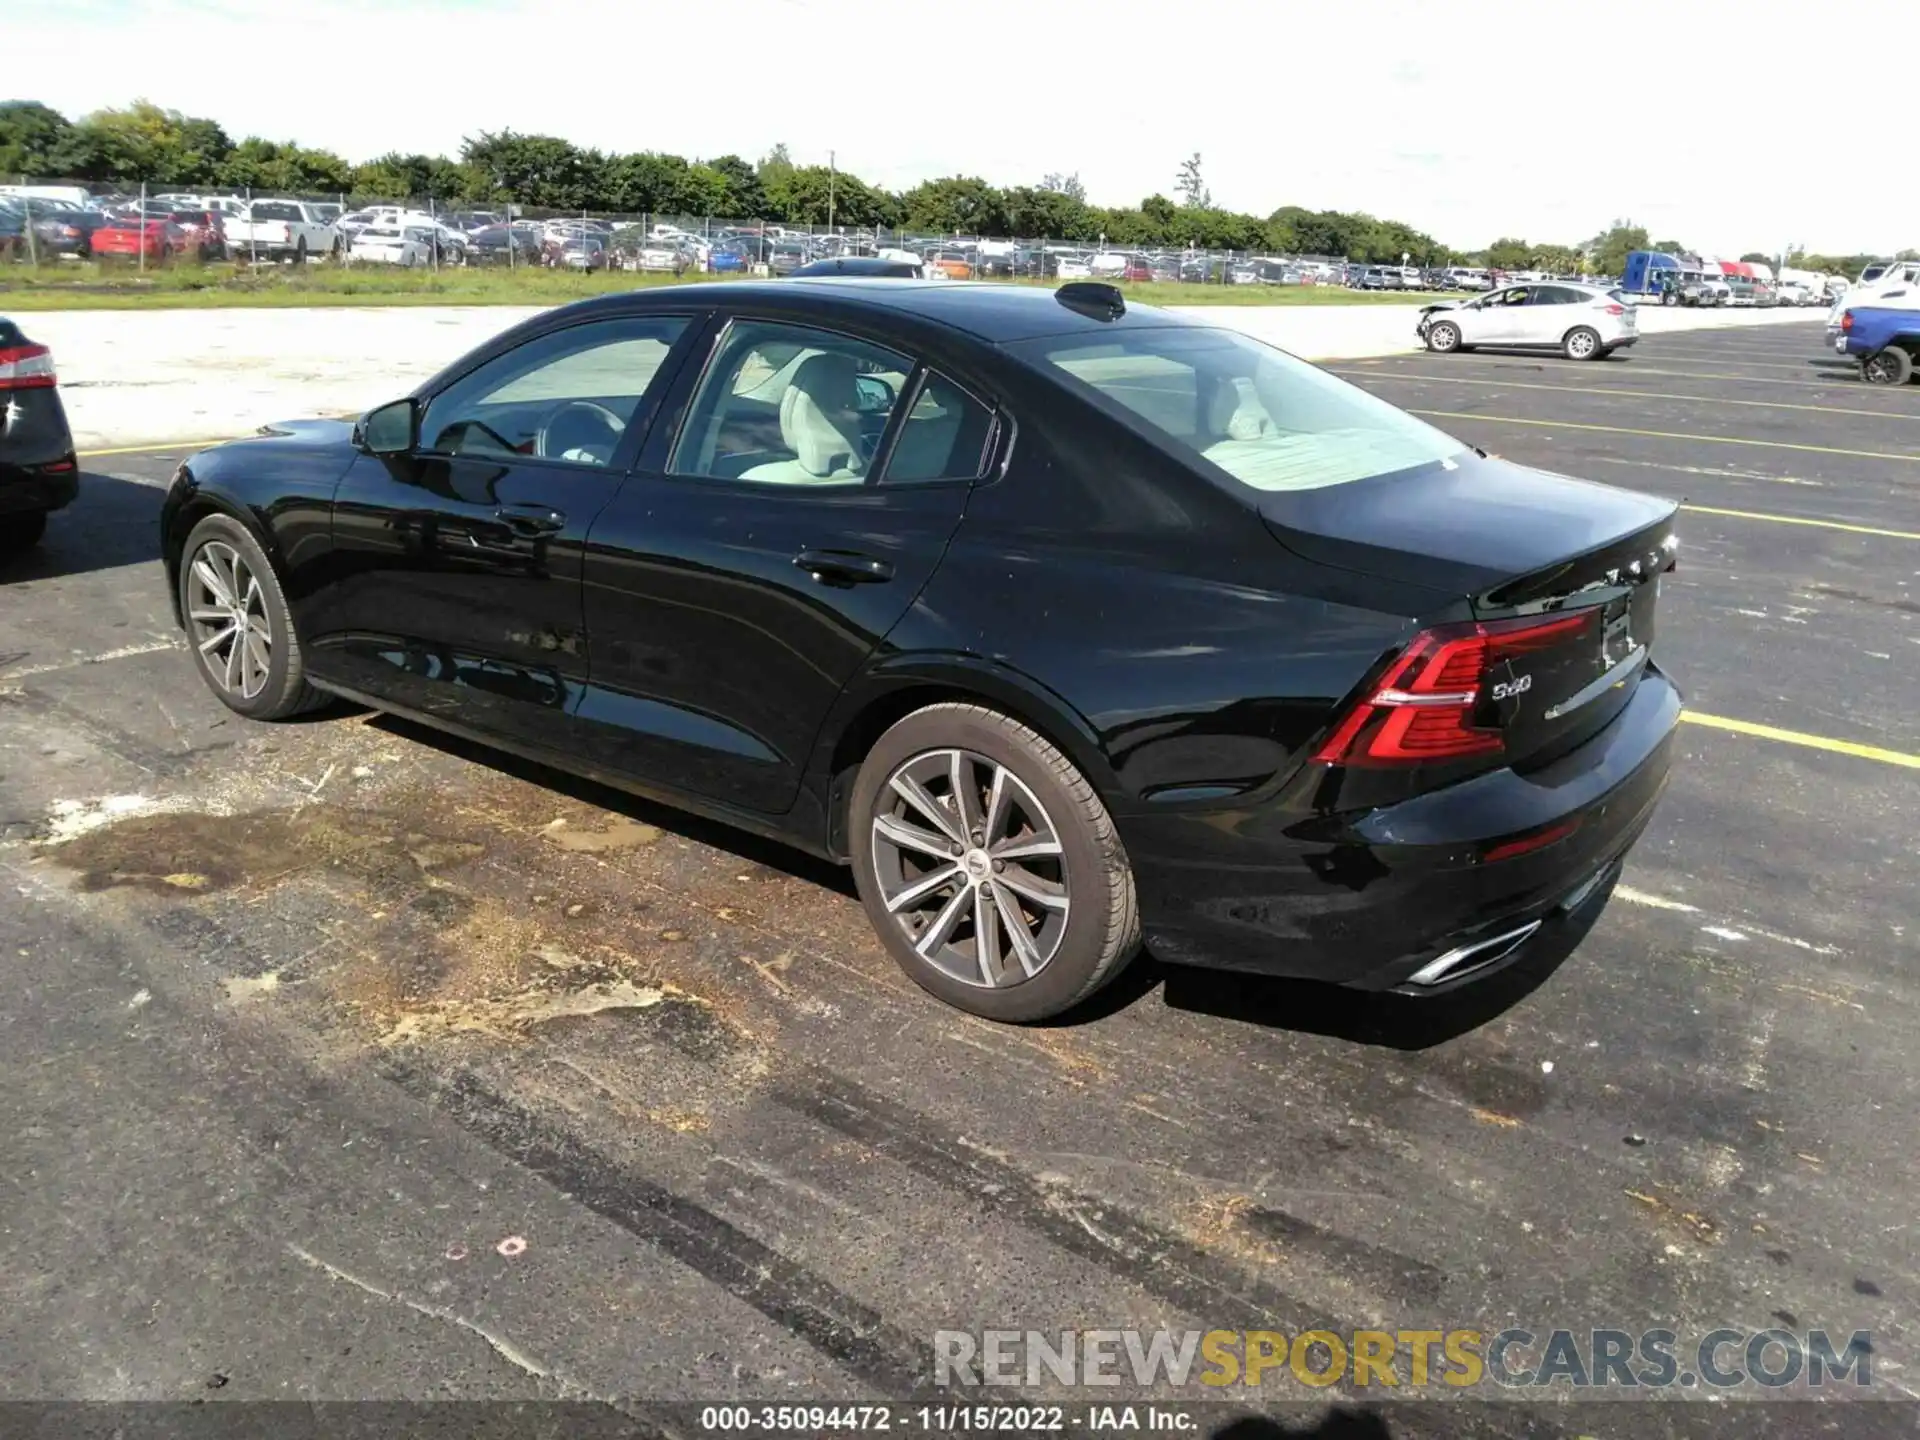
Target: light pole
(832,169)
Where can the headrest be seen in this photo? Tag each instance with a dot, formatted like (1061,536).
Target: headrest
(819,415)
(1236,412)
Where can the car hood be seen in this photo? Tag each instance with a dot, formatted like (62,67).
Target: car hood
(307,432)
(1441,305)
(1467,526)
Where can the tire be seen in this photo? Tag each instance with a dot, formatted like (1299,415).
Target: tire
(21,532)
(1582,343)
(1443,337)
(1669,298)
(282,689)
(1083,938)
(1891,366)
(300,251)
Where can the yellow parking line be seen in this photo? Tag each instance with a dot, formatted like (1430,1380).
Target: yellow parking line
(1635,368)
(1811,742)
(1420,376)
(1801,520)
(153,449)
(1668,435)
(1687,358)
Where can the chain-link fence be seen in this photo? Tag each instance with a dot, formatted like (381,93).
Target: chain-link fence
(48,221)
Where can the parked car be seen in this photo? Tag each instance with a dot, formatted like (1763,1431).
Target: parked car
(39,473)
(156,239)
(288,230)
(67,231)
(503,245)
(1137,269)
(786,256)
(1583,322)
(404,245)
(584,252)
(659,256)
(729,259)
(203,233)
(1390,747)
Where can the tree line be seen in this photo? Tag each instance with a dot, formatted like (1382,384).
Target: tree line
(164,148)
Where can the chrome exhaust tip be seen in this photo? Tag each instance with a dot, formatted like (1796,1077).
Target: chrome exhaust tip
(1479,955)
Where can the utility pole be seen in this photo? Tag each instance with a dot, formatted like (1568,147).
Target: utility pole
(831,171)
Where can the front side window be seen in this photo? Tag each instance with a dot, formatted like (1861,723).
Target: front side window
(568,395)
(1270,421)
(786,405)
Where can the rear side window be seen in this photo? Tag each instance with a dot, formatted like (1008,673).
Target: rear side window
(947,435)
(1268,420)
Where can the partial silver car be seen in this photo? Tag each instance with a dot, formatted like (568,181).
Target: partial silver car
(1582,322)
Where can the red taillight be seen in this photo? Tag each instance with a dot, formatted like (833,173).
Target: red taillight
(26,367)
(1616,309)
(1424,708)
(1846,321)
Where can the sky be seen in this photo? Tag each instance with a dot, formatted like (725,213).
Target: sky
(1729,128)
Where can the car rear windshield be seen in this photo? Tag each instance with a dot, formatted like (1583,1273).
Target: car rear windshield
(1270,421)
(269,211)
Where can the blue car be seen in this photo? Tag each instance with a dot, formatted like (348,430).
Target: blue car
(727,262)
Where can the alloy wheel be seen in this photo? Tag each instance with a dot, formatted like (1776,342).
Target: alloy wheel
(971,867)
(1581,344)
(228,611)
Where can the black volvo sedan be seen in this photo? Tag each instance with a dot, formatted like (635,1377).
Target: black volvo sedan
(1070,624)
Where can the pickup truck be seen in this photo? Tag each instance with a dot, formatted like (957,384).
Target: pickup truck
(1886,340)
(281,230)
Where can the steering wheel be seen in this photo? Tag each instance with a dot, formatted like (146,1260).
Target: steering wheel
(578,425)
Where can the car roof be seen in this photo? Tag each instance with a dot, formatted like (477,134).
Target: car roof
(998,314)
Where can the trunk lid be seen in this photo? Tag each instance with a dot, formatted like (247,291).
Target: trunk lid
(1523,549)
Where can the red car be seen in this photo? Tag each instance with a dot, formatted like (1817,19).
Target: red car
(159,239)
(1137,269)
(204,233)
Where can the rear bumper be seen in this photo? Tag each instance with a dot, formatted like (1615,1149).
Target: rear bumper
(38,469)
(1393,890)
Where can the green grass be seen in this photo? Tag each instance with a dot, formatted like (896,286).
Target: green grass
(95,286)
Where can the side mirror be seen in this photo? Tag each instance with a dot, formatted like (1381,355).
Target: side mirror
(390,429)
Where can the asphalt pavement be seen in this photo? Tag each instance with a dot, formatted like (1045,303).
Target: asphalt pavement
(341,1061)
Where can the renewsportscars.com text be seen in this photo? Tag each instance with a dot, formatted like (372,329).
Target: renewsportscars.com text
(1514,1357)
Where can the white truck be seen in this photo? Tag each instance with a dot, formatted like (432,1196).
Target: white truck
(281,230)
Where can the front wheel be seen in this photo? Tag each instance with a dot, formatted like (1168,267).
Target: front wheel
(988,865)
(1669,298)
(22,531)
(1582,343)
(1443,337)
(239,625)
(1891,366)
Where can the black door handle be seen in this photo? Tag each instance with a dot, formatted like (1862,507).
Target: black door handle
(844,567)
(531,519)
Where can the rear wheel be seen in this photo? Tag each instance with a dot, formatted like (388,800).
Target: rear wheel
(21,532)
(1891,366)
(1582,343)
(1443,337)
(239,625)
(989,866)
